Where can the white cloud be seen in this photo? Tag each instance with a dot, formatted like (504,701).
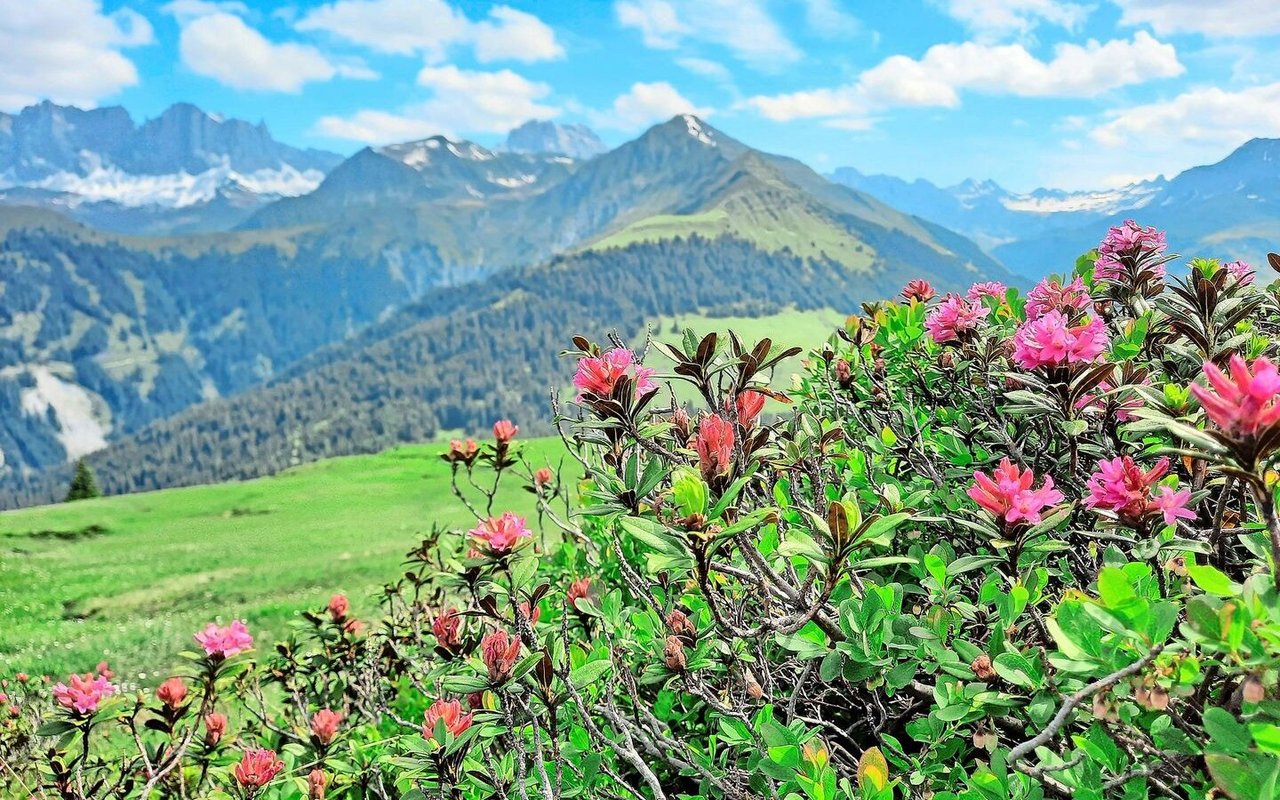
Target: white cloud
(998,18)
(945,70)
(66,51)
(221,46)
(644,104)
(462,101)
(706,68)
(827,19)
(187,10)
(1213,18)
(431,27)
(743,27)
(1207,116)
(513,35)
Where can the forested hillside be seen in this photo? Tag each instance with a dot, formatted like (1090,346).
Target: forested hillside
(464,355)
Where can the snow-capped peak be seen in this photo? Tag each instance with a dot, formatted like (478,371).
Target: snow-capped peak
(419,154)
(696,129)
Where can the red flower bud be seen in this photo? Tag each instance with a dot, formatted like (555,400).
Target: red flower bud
(172,692)
(215,725)
(316,783)
(324,724)
(338,607)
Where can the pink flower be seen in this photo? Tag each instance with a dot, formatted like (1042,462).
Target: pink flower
(715,446)
(596,376)
(257,768)
(450,711)
(1120,485)
(1173,505)
(499,653)
(225,642)
(499,535)
(1247,402)
(1122,249)
(1050,295)
(316,783)
(543,476)
(215,726)
(446,627)
(324,724)
(1008,494)
(338,607)
(1051,341)
(172,692)
(994,289)
(84,693)
(504,430)
(1241,271)
(749,403)
(465,452)
(577,591)
(954,318)
(918,290)
(1131,239)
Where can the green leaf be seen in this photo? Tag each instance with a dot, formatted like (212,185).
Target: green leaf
(589,673)
(1212,581)
(1017,669)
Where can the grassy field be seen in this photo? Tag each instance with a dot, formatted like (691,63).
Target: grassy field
(130,578)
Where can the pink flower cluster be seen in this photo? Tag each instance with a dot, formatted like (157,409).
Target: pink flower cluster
(596,376)
(450,711)
(499,653)
(1051,295)
(1241,271)
(749,403)
(258,768)
(715,446)
(983,289)
(224,642)
(954,318)
(83,694)
(1245,402)
(1008,494)
(500,535)
(918,289)
(1127,241)
(1052,340)
(1121,486)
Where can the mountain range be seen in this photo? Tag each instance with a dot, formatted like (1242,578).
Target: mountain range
(1228,210)
(419,287)
(289,304)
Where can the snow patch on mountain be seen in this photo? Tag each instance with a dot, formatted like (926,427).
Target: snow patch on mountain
(105,182)
(1106,201)
(696,130)
(81,431)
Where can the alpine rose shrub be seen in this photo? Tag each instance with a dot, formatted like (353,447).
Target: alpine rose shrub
(995,547)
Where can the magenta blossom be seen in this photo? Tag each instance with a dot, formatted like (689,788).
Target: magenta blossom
(954,318)
(225,642)
(1244,403)
(1051,341)
(715,446)
(994,289)
(1050,295)
(1008,494)
(83,694)
(500,535)
(1131,239)
(598,375)
(1121,486)
(918,289)
(1241,271)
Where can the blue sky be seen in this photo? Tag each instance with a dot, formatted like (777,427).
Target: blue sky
(1063,93)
